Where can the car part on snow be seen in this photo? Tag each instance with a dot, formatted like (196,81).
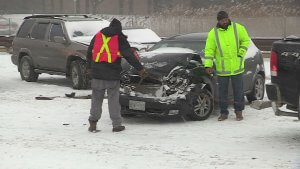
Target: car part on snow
(260,104)
(279,112)
(70,95)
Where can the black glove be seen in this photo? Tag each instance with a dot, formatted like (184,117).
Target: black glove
(209,70)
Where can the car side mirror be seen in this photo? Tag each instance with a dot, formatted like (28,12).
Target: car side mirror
(60,39)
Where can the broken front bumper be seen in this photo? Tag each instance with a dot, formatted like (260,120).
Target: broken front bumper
(158,106)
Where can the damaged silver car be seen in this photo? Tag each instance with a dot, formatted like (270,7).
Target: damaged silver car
(178,84)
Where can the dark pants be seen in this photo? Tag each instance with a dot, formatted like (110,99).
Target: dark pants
(98,90)
(237,86)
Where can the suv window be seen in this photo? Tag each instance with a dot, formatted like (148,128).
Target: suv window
(24,29)
(39,31)
(56,30)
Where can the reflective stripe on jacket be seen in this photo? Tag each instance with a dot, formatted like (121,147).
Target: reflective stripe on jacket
(106,49)
(227,48)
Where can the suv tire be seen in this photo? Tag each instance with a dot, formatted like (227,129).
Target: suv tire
(26,70)
(199,104)
(78,74)
(258,89)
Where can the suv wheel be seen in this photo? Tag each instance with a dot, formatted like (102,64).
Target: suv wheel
(26,70)
(258,89)
(199,105)
(79,75)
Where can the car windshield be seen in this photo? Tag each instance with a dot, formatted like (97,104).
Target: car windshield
(80,29)
(197,46)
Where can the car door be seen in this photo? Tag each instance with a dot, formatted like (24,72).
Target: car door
(38,43)
(250,66)
(56,54)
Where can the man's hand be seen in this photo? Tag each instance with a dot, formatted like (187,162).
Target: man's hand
(143,73)
(209,70)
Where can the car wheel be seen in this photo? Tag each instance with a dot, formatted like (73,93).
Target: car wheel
(79,76)
(26,70)
(258,89)
(199,104)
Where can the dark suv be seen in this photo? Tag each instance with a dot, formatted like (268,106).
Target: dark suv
(284,88)
(55,44)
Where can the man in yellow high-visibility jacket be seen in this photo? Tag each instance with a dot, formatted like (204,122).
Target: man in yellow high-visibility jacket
(226,46)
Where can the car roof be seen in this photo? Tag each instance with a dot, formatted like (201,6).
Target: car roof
(64,17)
(189,37)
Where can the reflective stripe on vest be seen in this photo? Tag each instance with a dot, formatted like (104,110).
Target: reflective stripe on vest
(106,49)
(237,48)
(104,46)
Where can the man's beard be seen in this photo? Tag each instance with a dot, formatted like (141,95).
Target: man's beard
(225,26)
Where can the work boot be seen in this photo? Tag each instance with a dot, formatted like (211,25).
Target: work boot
(239,115)
(223,117)
(118,128)
(93,126)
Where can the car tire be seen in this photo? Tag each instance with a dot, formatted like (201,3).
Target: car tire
(199,104)
(258,89)
(26,70)
(78,75)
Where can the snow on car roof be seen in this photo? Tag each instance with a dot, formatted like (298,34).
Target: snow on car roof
(173,50)
(167,50)
(141,35)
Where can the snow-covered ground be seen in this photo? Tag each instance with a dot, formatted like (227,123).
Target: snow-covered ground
(52,134)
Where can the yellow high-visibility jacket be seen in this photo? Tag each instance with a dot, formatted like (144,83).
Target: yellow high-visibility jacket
(227,48)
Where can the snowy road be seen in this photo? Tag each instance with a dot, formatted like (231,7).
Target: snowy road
(52,134)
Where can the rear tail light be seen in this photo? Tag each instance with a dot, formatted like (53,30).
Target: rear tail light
(274,64)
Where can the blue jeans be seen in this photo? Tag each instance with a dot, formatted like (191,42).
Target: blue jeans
(238,93)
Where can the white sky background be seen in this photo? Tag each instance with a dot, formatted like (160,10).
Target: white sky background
(33,134)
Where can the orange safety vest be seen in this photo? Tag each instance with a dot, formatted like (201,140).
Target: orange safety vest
(106,49)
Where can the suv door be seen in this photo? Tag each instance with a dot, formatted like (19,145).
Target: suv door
(38,44)
(56,50)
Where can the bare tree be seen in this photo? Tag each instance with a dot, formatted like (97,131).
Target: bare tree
(121,7)
(52,6)
(87,6)
(61,6)
(130,4)
(96,4)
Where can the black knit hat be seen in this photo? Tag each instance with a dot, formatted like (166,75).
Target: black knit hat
(116,24)
(221,15)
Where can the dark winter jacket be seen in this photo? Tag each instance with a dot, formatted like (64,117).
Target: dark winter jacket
(111,71)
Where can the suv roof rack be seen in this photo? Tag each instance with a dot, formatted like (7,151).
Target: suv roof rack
(56,16)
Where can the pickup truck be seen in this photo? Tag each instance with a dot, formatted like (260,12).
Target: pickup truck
(284,88)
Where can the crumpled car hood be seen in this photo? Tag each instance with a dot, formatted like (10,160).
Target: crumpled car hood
(167,72)
(160,64)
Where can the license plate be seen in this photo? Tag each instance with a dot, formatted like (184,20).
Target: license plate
(137,105)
